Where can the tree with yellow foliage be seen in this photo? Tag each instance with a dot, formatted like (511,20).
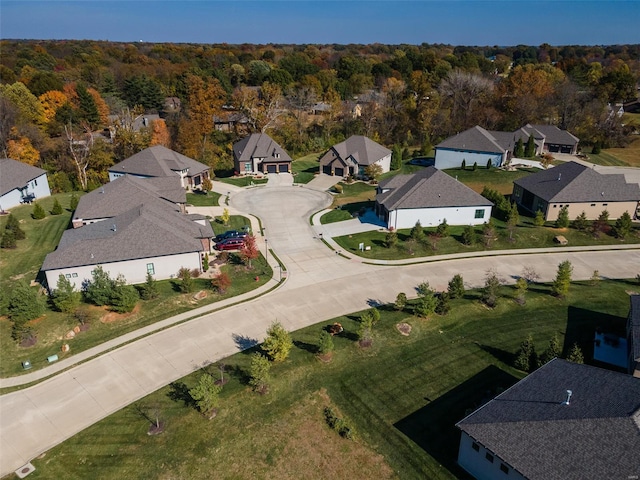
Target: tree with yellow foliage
(22,150)
(51,101)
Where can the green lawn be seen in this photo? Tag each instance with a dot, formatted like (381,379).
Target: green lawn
(242,181)
(236,222)
(494,178)
(403,395)
(199,199)
(526,235)
(605,158)
(305,168)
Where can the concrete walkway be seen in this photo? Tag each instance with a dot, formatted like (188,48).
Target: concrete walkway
(320,285)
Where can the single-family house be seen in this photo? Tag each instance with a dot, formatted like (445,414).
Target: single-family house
(126,192)
(259,153)
(230,121)
(21,183)
(353,156)
(481,146)
(151,238)
(159,161)
(633,336)
(580,189)
(564,420)
(429,196)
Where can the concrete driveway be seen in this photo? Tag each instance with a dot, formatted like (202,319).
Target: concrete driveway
(320,285)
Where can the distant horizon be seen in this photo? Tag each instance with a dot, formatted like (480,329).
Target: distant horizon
(477,23)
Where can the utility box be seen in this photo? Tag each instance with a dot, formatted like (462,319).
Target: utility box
(52,358)
(26,365)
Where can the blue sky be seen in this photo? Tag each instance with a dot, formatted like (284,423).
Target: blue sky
(475,22)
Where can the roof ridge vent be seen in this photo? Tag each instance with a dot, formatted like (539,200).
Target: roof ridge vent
(569,393)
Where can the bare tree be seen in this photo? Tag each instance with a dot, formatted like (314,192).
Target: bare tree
(461,92)
(261,109)
(80,150)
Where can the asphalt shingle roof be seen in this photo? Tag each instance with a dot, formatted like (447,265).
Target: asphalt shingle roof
(428,188)
(14,174)
(596,436)
(363,150)
(144,231)
(259,145)
(476,138)
(158,161)
(635,326)
(126,192)
(551,134)
(573,182)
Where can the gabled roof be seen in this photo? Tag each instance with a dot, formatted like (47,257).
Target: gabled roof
(574,182)
(144,231)
(551,134)
(126,192)
(363,150)
(14,174)
(476,138)
(158,161)
(259,145)
(596,436)
(428,188)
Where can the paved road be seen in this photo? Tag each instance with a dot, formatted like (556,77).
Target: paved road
(320,285)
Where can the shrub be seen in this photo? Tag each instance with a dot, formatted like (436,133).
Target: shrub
(401,301)
(463,166)
(338,188)
(475,166)
(13,225)
(65,298)
(538,220)
(221,282)
(38,212)
(338,424)
(259,373)
(8,240)
(456,287)
(57,208)
(124,298)
(325,343)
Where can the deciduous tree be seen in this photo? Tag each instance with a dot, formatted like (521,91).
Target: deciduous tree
(206,394)
(249,250)
(259,373)
(278,343)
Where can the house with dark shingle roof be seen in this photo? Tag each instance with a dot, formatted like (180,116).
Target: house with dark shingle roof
(429,196)
(563,421)
(353,156)
(259,153)
(21,183)
(151,238)
(633,336)
(126,192)
(481,146)
(159,161)
(580,188)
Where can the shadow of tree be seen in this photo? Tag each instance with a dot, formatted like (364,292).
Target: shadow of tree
(504,356)
(243,342)
(179,392)
(308,347)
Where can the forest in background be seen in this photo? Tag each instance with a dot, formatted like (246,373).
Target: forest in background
(70,107)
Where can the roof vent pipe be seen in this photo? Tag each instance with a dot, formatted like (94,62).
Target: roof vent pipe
(559,176)
(569,393)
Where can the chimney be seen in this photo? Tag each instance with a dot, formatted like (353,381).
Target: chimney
(569,393)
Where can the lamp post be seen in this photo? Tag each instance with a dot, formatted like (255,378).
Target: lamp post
(266,250)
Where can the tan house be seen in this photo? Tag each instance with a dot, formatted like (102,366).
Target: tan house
(353,156)
(580,189)
(259,153)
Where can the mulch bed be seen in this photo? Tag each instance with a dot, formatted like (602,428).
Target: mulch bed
(404,328)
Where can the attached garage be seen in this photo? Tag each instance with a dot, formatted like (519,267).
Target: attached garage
(339,172)
(326,169)
(271,168)
(283,168)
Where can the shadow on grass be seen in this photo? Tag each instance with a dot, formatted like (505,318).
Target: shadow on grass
(433,426)
(308,347)
(179,392)
(502,355)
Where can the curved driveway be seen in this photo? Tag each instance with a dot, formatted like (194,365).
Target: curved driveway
(320,285)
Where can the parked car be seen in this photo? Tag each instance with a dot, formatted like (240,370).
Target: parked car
(231,234)
(229,244)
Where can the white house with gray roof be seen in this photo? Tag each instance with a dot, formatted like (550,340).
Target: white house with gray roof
(429,196)
(259,153)
(580,189)
(159,161)
(563,421)
(481,146)
(21,183)
(151,238)
(124,193)
(353,156)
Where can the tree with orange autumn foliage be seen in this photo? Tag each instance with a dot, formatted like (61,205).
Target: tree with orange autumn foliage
(101,105)
(51,101)
(160,134)
(21,149)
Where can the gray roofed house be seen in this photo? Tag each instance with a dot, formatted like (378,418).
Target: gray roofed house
(537,430)
(21,183)
(633,336)
(429,196)
(352,156)
(125,193)
(578,187)
(259,153)
(477,145)
(150,238)
(159,161)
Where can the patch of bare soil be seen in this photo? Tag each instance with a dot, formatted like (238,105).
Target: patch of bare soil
(110,317)
(28,341)
(325,357)
(404,328)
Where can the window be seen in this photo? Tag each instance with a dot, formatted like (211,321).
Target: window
(74,275)
(480,213)
(67,275)
(504,468)
(35,182)
(605,204)
(248,167)
(475,446)
(593,204)
(150,269)
(555,206)
(489,457)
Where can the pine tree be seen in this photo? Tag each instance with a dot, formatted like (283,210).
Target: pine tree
(391,239)
(553,350)
(149,289)
(57,208)
(8,240)
(186,280)
(623,225)
(38,212)
(443,229)
(259,373)
(417,233)
(123,297)
(518,151)
(475,166)
(538,220)
(444,304)
(601,224)
(278,343)
(521,290)
(526,358)
(100,289)
(563,217)
(575,354)
(580,223)
(560,286)
(325,343)
(73,202)
(456,286)
(468,235)
(13,225)
(24,304)
(206,394)
(463,165)
(65,297)
(88,110)
(396,157)
(530,148)
(401,301)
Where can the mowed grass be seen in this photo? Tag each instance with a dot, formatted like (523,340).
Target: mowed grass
(628,156)
(304,169)
(200,199)
(403,396)
(236,222)
(494,178)
(243,181)
(42,237)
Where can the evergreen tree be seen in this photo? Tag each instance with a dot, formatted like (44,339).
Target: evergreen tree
(463,165)
(575,354)
(601,224)
(259,373)
(186,280)
(65,297)
(88,110)
(530,148)
(475,166)
(580,223)
(456,287)
(57,208)
(401,301)
(489,164)
(443,229)
(325,343)
(623,225)
(100,289)
(206,394)
(124,297)
(538,220)
(512,219)
(563,217)
(427,300)
(526,358)
(391,239)
(205,262)
(521,290)
(553,350)
(444,304)
(365,330)
(8,239)
(13,225)
(468,235)
(73,202)
(490,290)
(149,289)
(560,286)
(24,304)
(518,150)
(278,343)
(396,157)
(38,212)
(417,233)
(597,148)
